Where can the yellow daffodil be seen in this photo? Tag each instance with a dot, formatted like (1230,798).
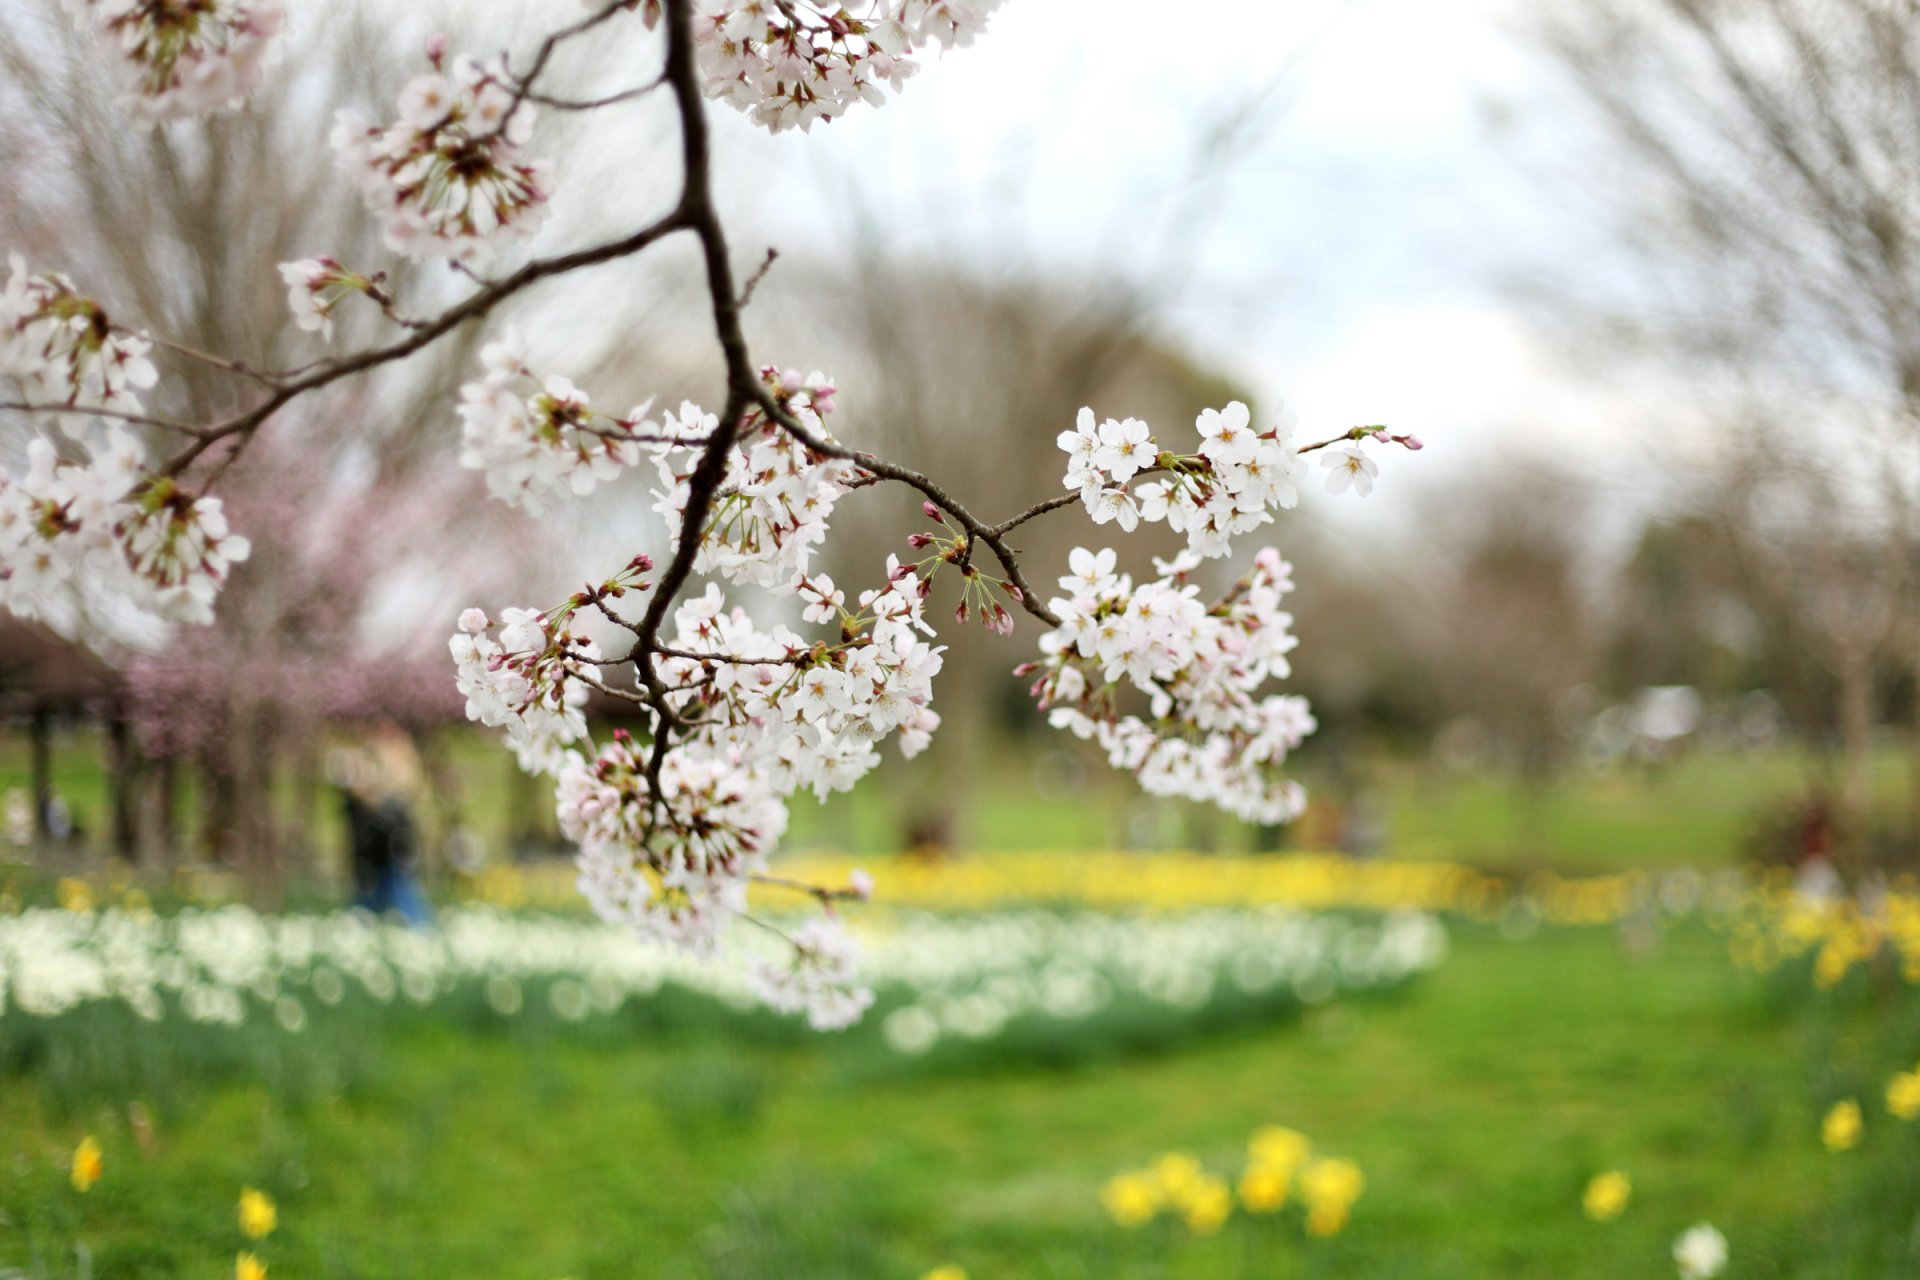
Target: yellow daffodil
(1326,1219)
(248,1267)
(258,1215)
(948,1272)
(1279,1147)
(1841,1128)
(1330,1187)
(1177,1174)
(1207,1206)
(1264,1188)
(1131,1198)
(1607,1195)
(75,895)
(87,1164)
(1903,1095)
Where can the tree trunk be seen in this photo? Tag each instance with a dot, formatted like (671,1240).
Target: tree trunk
(123,777)
(40,729)
(165,831)
(1855,672)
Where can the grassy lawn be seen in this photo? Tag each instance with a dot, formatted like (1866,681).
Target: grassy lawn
(1478,1104)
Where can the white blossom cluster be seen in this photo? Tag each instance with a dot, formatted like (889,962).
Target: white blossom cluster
(1206,734)
(773,505)
(672,865)
(449,177)
(61,349)
(670,836)
(535,437)
(766,716)
(179,58)
(526,679)
(315,286)
(1227,487)
(103,525)
(788,64)
(818,978)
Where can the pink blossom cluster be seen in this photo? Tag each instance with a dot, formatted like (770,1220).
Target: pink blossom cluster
(450,177)
(1169,686)
(778,493)
(788,63)
(179,58)
(61,349)
(534,437)
(102,529)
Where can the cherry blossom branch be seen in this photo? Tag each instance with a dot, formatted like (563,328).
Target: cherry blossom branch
(611,100)
(235,367)
(523,84)
(933,493)
(473,308)
(98,411)
(753,281)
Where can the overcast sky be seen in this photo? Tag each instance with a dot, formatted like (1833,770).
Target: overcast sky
(1349,261)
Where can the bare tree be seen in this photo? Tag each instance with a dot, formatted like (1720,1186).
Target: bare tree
(1762,160)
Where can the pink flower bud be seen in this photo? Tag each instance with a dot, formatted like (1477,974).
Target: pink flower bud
(436,47)
(919,540)
(1410,442)
(1024,670)
(933,512)
(960,614)
(1019,596)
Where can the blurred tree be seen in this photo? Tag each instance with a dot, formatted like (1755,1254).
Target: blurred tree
(1761,161)
(363,537)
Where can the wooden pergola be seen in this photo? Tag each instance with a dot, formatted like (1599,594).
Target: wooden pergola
(43,676)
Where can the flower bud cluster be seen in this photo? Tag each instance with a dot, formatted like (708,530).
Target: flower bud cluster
(62,349)
(1206,733)
(179,58)
(791,64)
(449,177)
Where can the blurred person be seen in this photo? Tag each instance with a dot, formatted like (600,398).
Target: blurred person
(379,779)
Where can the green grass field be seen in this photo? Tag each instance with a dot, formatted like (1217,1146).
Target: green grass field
(1478,1104)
